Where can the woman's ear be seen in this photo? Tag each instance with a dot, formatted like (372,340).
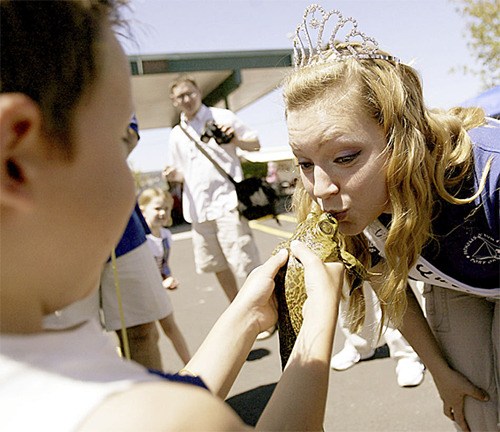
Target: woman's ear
(20,136)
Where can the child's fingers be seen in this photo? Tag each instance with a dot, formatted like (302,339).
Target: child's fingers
(318,275)
(305,255)
(273,264)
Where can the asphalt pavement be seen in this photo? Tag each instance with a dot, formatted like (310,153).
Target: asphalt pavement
(363,398)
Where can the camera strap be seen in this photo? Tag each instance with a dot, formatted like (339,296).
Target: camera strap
(205,153)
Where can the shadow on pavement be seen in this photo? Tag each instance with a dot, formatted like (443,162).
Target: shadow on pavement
(380,353)
(257,354)
(250,404)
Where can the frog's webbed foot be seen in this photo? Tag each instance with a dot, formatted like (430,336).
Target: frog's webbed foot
(356,283)
(355,269)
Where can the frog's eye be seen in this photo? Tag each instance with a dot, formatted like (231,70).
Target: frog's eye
(326,227)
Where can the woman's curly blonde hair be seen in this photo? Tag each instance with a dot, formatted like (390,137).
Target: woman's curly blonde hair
(429,155)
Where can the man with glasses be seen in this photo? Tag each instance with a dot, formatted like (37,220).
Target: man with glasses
(222,240)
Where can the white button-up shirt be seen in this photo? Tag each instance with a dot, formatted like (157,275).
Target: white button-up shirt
(207,194)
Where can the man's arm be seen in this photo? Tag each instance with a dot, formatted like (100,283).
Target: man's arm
(249,145)
(172,174)
(244,144)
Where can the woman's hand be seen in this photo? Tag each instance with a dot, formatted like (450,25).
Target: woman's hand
(255,298)
(453,387)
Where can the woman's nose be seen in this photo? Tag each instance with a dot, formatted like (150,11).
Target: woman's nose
(324,185)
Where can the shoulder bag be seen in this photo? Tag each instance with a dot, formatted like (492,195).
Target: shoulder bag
(256,197)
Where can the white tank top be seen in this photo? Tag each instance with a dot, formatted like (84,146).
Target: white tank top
(53,380)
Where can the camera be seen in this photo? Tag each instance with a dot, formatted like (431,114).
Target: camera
(213,131)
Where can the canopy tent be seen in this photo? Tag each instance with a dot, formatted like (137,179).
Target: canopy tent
(229,79)
(489,101)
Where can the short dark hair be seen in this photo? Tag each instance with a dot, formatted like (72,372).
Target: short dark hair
(49,53)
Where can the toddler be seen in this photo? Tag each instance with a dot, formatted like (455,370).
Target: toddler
(156,206)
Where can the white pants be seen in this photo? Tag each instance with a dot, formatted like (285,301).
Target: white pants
(468,330)
(367,339)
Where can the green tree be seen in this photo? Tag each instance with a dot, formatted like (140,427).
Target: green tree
(483,31)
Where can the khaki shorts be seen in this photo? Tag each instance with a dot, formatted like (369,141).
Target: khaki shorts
(143,297)
(226,242)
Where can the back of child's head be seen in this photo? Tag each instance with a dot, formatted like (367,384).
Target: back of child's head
(49,51)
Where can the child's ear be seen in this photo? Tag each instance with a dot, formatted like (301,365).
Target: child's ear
(20,121)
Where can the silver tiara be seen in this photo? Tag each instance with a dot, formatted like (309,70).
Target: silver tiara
(306,52)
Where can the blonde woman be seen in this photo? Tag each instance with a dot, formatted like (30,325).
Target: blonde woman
(419,185)
(57,173)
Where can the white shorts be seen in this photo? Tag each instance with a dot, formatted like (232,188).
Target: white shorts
(143,297)
(225,242)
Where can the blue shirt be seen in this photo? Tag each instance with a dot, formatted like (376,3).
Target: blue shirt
(134,234)
(465,238)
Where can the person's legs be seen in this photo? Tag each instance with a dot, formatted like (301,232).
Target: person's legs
(173,332)
(209,257)
(409,368)
(464,326)
(141,299)
(237,243)
(143,343)
(225,246)
(350,355)
(362,345)
(228,283)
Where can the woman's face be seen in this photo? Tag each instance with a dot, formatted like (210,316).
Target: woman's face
(340,152)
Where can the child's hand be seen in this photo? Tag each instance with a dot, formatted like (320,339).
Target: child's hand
(323,282)
(256,300)
(170,283)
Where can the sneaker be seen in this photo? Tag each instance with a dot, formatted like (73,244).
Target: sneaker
(266,333)
(409,372)
(348,357)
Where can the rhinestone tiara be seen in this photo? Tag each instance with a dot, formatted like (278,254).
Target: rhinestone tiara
(305,52)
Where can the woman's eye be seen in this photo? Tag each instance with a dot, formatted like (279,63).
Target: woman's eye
(304,166)
(343,160)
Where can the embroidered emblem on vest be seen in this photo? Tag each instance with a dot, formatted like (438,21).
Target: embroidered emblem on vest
(482,249)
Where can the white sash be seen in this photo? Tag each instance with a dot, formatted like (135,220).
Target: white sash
(423,270)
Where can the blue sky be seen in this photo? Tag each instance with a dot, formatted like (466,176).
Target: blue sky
(429,34)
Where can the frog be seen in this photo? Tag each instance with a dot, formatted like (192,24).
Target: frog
(320,232)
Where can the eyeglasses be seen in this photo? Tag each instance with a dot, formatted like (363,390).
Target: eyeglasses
(190,95)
